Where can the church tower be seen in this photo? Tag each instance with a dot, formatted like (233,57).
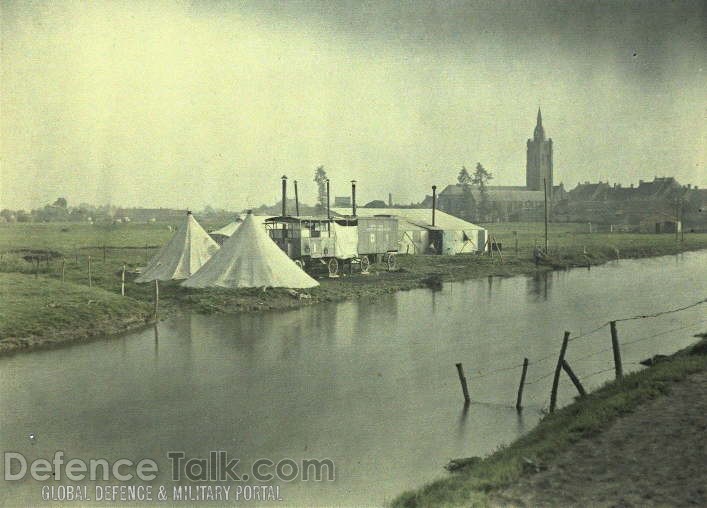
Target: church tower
(539,160)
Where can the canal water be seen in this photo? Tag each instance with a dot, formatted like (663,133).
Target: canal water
(370,385)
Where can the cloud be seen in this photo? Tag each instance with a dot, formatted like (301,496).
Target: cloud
(178,104)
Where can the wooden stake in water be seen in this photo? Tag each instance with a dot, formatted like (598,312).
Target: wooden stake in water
(63,266)
(558,370)
(157,298)
(519,400)
(462,380)
(122,282)
(617,352)
(90,283)
(104,253)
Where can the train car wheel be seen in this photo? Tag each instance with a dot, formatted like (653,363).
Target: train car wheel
(365,264)
(391,262)
(333,267)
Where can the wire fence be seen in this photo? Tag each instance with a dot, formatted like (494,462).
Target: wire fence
(562,362)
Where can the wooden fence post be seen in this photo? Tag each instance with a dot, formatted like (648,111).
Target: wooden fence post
(574,378)
(558,370)
(462,380)
(90,283)
(157,298)
(617,352)
(519,400)
(122,281)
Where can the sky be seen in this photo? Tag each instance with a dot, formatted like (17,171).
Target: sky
(187,104)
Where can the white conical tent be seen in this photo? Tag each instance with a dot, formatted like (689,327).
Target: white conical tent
(248,259)
(227,230)
(183,255)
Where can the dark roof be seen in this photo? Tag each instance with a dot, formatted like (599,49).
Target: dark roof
(513,193)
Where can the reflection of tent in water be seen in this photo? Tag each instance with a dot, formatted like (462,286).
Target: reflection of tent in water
(249,258)
(183,255)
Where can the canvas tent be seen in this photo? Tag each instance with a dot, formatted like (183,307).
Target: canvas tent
(183,255)
(228,229)
(249,258)
(450,235)
(220,235)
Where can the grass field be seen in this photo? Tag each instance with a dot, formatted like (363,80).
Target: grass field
(69,246)
(41,310)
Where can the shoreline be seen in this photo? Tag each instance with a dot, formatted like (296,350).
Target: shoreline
(532,470)
(415,272)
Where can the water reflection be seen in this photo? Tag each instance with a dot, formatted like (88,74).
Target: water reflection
(356,381)
(539,283)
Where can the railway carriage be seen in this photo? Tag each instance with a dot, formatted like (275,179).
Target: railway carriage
(336,241)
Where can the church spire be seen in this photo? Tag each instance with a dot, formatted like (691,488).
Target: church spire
(539,131)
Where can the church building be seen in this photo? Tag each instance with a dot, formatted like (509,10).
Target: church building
(513,203)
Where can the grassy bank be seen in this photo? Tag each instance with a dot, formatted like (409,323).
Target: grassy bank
(67,248)
(41,312)
(475,484)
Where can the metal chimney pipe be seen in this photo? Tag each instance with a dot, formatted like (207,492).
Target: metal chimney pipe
(296,200)
(353,197)
(328,210)
(284,195)
(434,203)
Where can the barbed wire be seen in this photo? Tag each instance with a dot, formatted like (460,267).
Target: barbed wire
(597,373)
(589,332)
(644,316)
(489,373)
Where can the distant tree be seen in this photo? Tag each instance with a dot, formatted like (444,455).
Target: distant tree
(320,179)
(60,202)
(467,205)
(480,179)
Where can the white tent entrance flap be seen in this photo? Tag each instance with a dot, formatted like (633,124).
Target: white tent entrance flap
(249,258)
(183,255)
(346,241)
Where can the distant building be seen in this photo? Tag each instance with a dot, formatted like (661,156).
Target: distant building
(514,202)
(538,165)
(148,215)
(663,200)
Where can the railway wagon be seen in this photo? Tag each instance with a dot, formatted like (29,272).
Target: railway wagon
(333,241)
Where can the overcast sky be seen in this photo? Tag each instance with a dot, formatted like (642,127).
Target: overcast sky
(184,104)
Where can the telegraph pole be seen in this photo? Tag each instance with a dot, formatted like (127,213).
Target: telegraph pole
(545,189)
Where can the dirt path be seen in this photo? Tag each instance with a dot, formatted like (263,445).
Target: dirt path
(655,456)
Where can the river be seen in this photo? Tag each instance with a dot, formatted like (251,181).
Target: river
(370,385)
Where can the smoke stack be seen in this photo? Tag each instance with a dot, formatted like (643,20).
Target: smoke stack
(284,195)
(390,200)
(353,197)
(328,210)
(296,200)
(434,202)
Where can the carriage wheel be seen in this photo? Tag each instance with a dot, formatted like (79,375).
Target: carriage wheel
(365,264)
(333,267)
(392,262)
